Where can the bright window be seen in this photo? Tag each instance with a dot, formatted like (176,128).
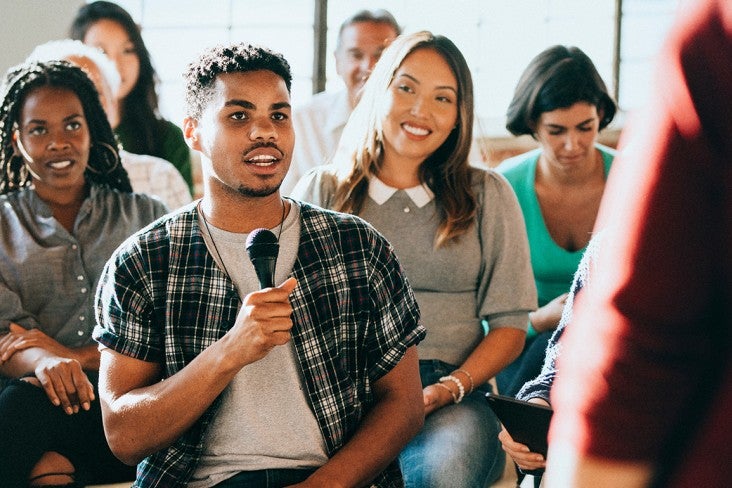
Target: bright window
(497,37)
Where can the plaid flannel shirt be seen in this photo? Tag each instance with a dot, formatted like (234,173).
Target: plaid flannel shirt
(163,299)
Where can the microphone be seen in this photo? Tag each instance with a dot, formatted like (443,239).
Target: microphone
(262,248)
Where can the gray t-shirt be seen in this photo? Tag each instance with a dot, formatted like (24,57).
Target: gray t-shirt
(265,420)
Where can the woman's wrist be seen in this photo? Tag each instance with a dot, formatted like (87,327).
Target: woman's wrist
(470,385)
(456,385)
(450,382)
(443,386)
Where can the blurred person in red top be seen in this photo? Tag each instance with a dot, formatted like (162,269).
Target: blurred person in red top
(645,378)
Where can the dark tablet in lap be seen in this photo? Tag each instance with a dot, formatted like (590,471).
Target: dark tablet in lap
(528,423)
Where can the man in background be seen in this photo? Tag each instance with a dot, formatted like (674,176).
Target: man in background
(319,123)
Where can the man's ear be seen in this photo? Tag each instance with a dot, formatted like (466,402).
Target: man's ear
(338,64)
(191,133)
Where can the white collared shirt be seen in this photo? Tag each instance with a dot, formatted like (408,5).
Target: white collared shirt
(318,127)
(380,192)
(157,177)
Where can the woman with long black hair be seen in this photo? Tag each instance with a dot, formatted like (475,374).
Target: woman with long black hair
(141,129)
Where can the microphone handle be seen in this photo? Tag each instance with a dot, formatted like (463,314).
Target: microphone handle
(265,269)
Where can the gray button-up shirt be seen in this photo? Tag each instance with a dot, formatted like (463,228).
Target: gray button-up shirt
(47,275)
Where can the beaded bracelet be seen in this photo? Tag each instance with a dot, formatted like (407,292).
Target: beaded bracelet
(452,393)
(459,384)
(470,378)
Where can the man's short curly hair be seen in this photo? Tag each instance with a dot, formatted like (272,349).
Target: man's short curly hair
(233,58)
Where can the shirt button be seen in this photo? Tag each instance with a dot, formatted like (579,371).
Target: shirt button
(74,247)
(80,278)
(81,318)
(80,333)
(83,290)
(406,210)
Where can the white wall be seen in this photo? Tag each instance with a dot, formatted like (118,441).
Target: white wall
(25,24)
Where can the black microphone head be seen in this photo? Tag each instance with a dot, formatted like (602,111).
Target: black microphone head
(262,243)
(262,247)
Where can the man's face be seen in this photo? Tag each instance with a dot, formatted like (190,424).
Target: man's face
(360,47)
(246,134)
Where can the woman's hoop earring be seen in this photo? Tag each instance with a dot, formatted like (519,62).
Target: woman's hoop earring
(115,159)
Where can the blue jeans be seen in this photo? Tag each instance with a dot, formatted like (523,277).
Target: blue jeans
(267,478)
(526,367)
(458,446)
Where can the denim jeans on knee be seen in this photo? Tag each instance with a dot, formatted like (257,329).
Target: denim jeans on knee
(526,367)
(458,445)
(267,478)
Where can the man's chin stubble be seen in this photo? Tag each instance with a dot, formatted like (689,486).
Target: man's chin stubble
(258,193)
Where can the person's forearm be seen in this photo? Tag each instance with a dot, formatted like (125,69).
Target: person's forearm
(23,362)
(495,352)
(88,356)
(548,316)
(542,321)
(395,418)
(21,338)
(384,432)
(535,321)
(150,418)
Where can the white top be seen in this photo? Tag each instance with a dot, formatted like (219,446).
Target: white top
(318,127)
(156,176)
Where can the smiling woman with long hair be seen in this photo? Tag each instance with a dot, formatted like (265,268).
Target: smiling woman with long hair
(402,165)
(65,205)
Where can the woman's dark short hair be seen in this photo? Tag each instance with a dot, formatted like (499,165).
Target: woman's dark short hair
(558,77)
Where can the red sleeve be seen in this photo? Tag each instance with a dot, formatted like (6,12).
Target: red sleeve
(643,350)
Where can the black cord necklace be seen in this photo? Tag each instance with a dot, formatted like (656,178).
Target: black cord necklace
(213,241)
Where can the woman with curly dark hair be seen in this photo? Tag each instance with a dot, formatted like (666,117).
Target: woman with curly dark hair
(65,205)
(141,129)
